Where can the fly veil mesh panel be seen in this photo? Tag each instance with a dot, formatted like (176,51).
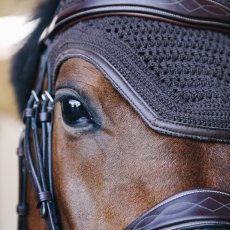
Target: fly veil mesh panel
(182,74)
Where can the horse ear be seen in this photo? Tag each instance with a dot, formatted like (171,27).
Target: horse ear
(24,62)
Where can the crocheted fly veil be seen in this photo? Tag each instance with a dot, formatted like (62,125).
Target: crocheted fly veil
(177,78)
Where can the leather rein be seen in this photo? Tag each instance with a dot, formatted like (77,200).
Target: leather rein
(188,210)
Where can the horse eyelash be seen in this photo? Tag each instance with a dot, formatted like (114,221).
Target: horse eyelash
(67,93)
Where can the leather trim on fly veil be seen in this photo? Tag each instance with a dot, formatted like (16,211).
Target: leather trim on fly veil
(124,88)
(205,14)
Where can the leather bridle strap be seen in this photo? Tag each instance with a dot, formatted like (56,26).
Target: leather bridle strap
(22,208)
(188,210)
(203,14)
(36,147)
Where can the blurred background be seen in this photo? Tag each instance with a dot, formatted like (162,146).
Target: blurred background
(14,27)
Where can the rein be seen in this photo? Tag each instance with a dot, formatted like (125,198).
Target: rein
(188,210)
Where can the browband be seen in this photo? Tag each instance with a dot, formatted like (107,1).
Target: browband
(203,14)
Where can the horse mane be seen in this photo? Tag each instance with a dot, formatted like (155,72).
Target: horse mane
(24,62)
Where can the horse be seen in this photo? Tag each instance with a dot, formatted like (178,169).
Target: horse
(129,106)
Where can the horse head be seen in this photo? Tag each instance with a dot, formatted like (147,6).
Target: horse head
(134,109)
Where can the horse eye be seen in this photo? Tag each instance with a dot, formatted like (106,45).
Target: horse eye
(75,113)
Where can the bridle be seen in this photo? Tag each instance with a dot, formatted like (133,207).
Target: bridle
(38,118)
(35,149)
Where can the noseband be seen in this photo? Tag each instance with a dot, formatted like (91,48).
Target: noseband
(193,209)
